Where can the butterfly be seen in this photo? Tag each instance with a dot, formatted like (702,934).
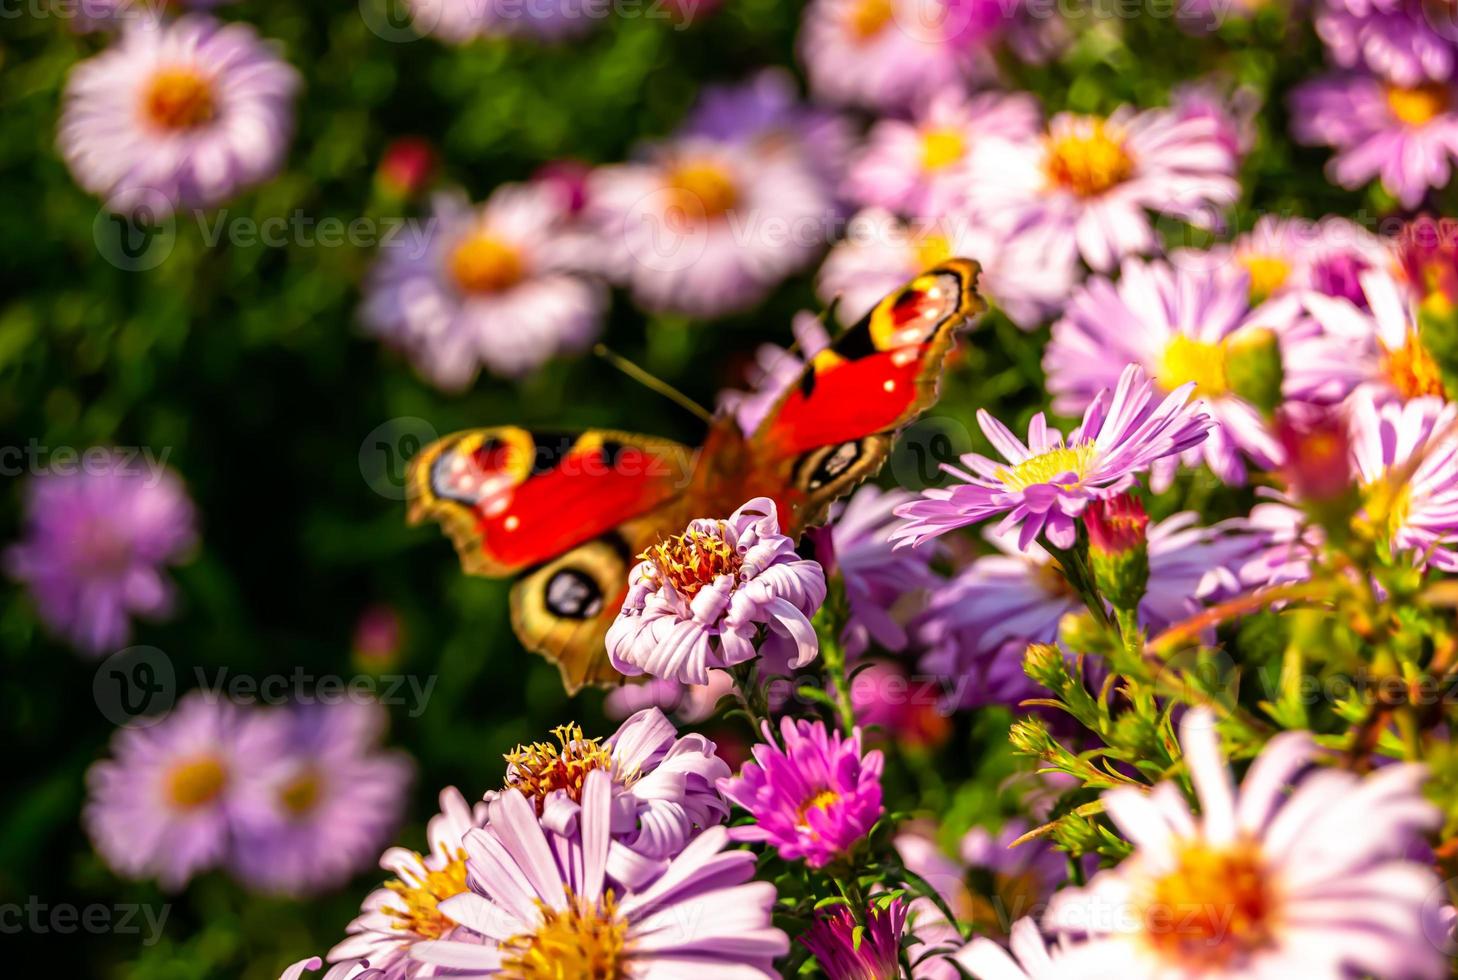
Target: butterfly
(567,512)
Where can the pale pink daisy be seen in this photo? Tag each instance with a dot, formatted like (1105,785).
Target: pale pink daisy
(919,168)
(1416,511)
(1285,877)
(1096,179)
(485,287)
(175,115)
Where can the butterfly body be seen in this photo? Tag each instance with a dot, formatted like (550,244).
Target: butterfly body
(569,512)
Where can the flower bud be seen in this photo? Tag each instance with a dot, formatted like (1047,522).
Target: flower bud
(407,167)
(1044,664)
(1118,549)
(1253,368)
(1318,456)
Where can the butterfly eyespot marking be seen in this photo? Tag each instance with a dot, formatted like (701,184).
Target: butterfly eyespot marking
(573,594)
(825,466)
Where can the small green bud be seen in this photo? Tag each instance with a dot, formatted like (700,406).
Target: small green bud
(1253,368)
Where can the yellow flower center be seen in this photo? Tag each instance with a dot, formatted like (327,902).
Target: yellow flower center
(942,147)
(1088,164)
(196,781)
(1386,505)
(932,249)
(1417,106)
(820,801)
(868,18)
(178,98)
(1045,467)
(541,767)
(1187,360)
(482,264)
(703,187)
(1216,905)
(574,943)
(422,916)
(301,794)
(1412,369)
(1268,273)
(692,560)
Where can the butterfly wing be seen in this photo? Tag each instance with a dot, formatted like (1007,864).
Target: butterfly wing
(565,511)
(834,427)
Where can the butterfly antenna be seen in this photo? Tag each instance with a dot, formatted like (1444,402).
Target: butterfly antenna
(652,383)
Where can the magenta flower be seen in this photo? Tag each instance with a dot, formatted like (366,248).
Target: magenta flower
(1045,485)
(664,788)
(699,600)
(849,950)
(96,545)
(1407,137)
(170,800)
(335,799)
(1285,876)
(1179,325)
(493,286)
(814,799)
(1397,39)
(540,903)
(177,115)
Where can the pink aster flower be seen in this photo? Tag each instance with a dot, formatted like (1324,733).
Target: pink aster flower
(541,903)
(1407,137)
(1418,511)
(1397,39)
(406,910)
(689,703)
(813,799)
(919,168)
(850,950)
(177,115)
(485,287)
(663,788)
(1180,327)
(335,799)
(1286,876)
(1374,348)
(708,227)
(1027,274)
(1045,485)
(890,54)
(699,600)
(1095,179)
(96,545)
(169,801)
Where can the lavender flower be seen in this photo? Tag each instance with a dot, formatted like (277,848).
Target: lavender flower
(1407,137)
(699,600)
(170,800)
(541,903)
(1283,877)
(1407,459)
(849,950)
(177,115)
(490,286)
(663,788)
(95,548)
(1045,484)
(334,799)
(1396,39)
(462,21)
(814,799)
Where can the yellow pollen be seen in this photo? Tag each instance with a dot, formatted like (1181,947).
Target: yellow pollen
(703,187)
(932,249)
(195,782)
(1188,360)
(422,916)
(692,560)
(1417,106)
(485,264)
(942,147)
(1268,273)
(1088,164)
(1386,505)
(178,98)
(869,18)
(540,768)
(1215,906)
(1412,369)
(301,794)
(820,801)
(579,942)
(1047,466)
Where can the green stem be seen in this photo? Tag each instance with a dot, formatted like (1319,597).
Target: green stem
(834,655)
(749,694)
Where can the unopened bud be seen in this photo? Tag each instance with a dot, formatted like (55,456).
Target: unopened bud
(1118,548)
(407,167)
(1253,368)
(1318,455)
